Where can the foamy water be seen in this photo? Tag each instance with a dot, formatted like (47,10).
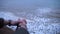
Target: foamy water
(43,16)
(36,25)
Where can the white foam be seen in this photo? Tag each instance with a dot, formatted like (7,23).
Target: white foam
(37,25)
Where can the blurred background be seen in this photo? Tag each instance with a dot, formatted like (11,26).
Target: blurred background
(44,14)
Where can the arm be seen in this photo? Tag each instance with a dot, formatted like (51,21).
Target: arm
(22,23)
(23,28)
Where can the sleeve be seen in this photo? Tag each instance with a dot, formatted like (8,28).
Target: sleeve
(21,31)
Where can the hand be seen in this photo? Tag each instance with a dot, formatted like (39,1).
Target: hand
(22,23)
